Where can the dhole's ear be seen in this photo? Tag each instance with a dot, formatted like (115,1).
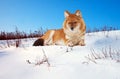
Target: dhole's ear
(66,14)
(78,13)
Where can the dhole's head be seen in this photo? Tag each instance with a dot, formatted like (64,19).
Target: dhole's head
(73,22)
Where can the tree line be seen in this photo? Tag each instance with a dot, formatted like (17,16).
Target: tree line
(20,34)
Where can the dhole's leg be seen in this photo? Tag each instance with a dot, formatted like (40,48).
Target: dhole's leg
(82,41)
(48,37)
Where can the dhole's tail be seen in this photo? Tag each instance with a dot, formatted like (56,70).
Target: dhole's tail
(39,42)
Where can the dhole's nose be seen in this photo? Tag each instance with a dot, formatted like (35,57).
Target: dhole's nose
(72,28)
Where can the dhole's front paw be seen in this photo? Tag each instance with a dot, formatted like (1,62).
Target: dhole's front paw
(70,44)
(82,43)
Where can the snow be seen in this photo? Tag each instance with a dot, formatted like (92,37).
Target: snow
(65,62)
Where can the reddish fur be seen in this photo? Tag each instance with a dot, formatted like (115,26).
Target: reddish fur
(60,34)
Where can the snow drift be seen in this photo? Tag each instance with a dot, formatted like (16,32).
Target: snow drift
(65,62)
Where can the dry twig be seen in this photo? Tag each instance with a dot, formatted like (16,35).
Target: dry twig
(45,59)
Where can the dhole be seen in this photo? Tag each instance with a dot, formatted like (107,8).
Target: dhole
(72,33)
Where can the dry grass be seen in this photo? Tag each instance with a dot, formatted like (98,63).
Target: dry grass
(105,53)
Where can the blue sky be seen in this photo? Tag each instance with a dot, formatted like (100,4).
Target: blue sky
(49,14)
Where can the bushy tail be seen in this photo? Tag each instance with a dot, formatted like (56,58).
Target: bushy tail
(39,42)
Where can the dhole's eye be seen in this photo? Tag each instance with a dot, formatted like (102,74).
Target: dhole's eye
(69,22)
(75,22)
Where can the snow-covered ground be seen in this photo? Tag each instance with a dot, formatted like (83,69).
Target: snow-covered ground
(65,62)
